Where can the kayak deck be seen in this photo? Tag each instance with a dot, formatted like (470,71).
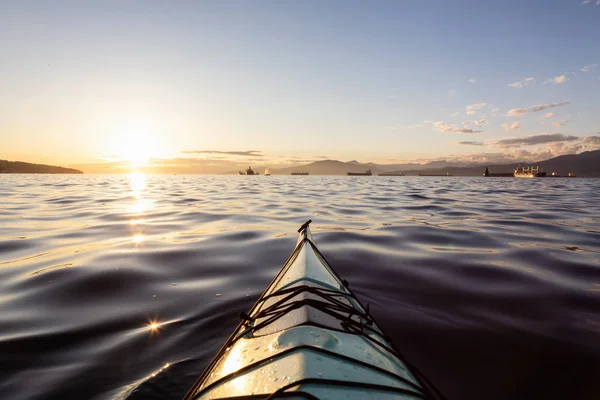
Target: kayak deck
(308,336)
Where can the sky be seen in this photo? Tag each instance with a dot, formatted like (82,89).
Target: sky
(285,82)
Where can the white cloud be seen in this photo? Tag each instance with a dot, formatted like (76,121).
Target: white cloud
(482,121)
(511,155)
(472,80)
(586,1)
(517,112)
(559,123)
(548,115)
(521,84)
(441,126)
(471,109)
(511,127)
(588,67)
(557,79)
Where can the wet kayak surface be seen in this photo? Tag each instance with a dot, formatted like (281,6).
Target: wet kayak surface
(127,286)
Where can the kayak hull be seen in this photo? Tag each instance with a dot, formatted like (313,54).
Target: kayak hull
(308,335)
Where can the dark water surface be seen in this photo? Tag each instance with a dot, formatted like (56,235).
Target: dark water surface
(490,286)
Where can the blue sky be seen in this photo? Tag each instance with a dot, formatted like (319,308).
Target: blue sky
(374,81)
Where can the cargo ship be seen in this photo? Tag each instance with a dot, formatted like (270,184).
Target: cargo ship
(446,174)
(366,173)
(497,174)
(391,174)
(528,172)
(300,173)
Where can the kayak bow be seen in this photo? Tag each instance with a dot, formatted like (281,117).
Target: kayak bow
(308,336)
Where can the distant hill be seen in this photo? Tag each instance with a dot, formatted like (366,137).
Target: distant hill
(585,164)
(329,167)
(20,167)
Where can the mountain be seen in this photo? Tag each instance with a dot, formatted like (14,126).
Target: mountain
(329,167)
(586,164)
(20,167)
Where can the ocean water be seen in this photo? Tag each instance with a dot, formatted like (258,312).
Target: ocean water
(124,287)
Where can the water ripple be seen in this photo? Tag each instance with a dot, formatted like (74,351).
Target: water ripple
(113,287)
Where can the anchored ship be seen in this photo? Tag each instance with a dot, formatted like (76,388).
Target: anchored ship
(391,174)
(528,172)
(366,173)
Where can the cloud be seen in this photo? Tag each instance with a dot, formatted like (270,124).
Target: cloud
(542,138)
(467,143)
(559,123)
(586,1)
(110,157)
(482,121)
(588,67)
(462,130)
(516,112)
(471,109)
(548,115)
(511,127)
(472,80)
(594,140)
(441,126)
(557,79)
(456,114)
(541,107)
(512,155)
(522,83)
(252,153)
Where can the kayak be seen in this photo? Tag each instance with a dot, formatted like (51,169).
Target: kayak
(308,336)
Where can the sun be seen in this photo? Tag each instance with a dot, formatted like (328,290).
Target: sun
(137,143)
(138,148)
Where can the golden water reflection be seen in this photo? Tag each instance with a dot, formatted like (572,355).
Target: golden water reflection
(137,182)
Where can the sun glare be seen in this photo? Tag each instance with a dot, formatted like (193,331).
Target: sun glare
(137,144)
(137,181)
(139,149)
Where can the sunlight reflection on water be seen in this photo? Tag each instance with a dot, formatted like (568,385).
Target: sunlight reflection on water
(497,274)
